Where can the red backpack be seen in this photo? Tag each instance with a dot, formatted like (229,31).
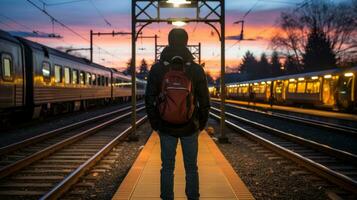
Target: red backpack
(176,98)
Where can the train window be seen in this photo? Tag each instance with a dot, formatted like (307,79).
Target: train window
(313,87)
(103,81)
(88,78)
(256,89)
(245,89)
(106,81)
(262,88)
(301,87)
(58,74)
(291,87)
(98,80)
(7,67)
(46,71)
(94,79)
(67,75)
(82,78)
(74,76)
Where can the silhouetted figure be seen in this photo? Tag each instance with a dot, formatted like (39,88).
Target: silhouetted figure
(177,103)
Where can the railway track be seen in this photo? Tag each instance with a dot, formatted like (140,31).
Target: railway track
(52,170)
(338,167)
(302,120)
(21,151)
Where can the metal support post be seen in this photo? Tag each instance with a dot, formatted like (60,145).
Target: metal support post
(133,136)
(223,138)
(156,59)
(199,53)
(91,45)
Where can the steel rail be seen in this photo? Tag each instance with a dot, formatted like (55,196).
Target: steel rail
(52,133)
(12,168)
(62,187)
(323,171)
(316,123)
(289,136)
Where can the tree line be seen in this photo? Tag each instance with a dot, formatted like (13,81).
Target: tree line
(143,72)
(316,35)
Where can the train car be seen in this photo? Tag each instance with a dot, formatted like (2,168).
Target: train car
(347,90)
(140,87)
(58,81)
(121,87)
(333,89)
(12,80)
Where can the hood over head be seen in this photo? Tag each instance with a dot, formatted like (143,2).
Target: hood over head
(178,37)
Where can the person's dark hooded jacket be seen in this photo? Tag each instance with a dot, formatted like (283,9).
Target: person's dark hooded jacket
(177,47)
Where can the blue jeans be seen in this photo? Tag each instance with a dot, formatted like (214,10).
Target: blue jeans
(189,146)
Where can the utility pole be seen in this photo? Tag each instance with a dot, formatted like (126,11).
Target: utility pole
(151,37)
(91,45)
(242,28)
(113,33)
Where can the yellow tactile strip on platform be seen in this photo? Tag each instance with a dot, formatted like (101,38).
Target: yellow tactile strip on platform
(218,179)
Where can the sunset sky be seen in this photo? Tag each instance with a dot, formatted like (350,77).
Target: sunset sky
(83,15)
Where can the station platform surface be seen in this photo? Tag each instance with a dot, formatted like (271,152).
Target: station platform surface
(218,180)
(315,112)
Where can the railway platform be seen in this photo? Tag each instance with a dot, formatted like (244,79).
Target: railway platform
(218,180)
(314,112)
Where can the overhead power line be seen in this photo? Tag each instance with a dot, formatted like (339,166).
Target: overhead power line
(100,13)
(65,26)
(63,3)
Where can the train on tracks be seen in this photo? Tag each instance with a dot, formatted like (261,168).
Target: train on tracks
(38,80)
(329,89)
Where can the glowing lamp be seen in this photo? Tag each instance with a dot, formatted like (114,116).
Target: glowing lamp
(301,79)
(328,76)
(269,82)
(179,23)
(178,3)
(349,74)
(292,80)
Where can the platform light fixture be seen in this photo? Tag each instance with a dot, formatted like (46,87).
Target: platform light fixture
(314,77)
(292,80)
(178,23)
(349,74)
(269,82)
(328,76)
(263,83)
(301,79)
(178,3)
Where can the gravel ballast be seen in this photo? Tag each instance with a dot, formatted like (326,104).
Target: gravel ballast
(267,175)
(26,130)
(327,137)
(106,184)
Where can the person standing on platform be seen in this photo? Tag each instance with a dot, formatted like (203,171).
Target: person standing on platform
(177,103)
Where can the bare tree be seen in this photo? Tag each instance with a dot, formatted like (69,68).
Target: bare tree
(337,21)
